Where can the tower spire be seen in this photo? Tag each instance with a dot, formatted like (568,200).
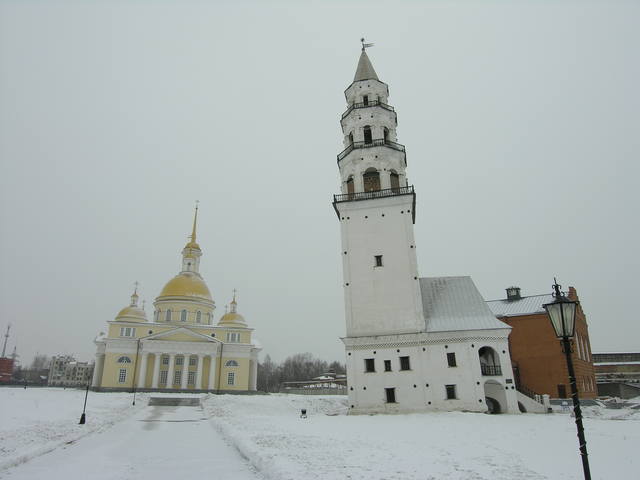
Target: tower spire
(365,69)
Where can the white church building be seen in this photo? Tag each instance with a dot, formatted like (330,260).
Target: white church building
(412,344)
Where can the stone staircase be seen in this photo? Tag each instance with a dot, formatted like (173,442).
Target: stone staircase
(174,402)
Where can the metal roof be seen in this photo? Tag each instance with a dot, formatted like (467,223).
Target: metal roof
(365,70)
(455,304)
(522,306)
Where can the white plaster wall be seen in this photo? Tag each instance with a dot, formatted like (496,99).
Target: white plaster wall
(373,88)
(383,159)
(376,117)
(429,373)
(380,300)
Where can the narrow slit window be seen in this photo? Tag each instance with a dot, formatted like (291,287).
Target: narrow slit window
(378,260)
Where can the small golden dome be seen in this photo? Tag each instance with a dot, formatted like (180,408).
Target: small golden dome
(232,317)
(192,245)
(132,313)
(186,284)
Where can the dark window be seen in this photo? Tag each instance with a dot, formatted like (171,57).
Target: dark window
(371,180)
(369,365)
(395,180)
(378,260)
(451,391)
(350,187)
(351,138)
(451,359)
(368,138)
(404,363)
(387,365)
(365,100)
(562,391)
(391,395)
(385,134)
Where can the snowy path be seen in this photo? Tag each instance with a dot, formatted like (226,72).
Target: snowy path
(157,443)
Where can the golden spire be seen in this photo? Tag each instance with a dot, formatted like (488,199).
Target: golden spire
(195,221)
(134,297)
(234,304)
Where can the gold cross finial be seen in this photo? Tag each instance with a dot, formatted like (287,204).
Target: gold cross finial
(135,290)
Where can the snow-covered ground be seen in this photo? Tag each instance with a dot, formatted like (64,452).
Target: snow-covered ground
(267,430)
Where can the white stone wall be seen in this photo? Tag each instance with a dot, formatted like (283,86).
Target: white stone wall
(423,387)
(373,88)
(387,299)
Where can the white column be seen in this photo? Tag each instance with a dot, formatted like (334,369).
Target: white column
(253,385)
(142,374)
(199,372)
(156,370)
(185,371)
(172,358)
(97,370)
(212,373)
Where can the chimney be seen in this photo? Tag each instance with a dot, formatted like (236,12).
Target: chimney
(513,293)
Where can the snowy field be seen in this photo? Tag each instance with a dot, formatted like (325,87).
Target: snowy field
(39,434)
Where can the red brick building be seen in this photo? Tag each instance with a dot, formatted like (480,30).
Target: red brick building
(539,364)
(6,369)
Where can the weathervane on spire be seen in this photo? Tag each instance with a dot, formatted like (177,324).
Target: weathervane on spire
(365,45)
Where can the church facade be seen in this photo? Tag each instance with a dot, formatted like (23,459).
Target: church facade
(180,348)
(412,344)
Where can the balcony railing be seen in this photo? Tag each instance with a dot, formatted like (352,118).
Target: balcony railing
(387,192)
(491,369)
(378,142)
(372,103)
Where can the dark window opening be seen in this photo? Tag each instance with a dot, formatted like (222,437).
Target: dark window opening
(371,180)
(369,365)
(351,138)
(350,186)
(387,365)
(368,138)
(451,359)
(395,180)
(378,260)
(391,395)
(365,100)
(404,363)
(451,392)
(385,134)
(562,391)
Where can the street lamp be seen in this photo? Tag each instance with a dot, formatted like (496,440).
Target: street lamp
(562,313)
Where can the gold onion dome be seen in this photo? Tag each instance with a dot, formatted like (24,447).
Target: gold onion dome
(132,312)
(186,284)
(233,317)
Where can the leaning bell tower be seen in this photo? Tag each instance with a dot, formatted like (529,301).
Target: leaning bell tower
(376,210)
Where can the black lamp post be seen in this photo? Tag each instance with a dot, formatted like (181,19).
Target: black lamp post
(562,313)
(83,417)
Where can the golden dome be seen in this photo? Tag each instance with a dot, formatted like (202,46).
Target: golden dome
(232,317)
(132,313)
(192,245)
(186,284)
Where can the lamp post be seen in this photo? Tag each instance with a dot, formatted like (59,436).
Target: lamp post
(562,313)
(83,417)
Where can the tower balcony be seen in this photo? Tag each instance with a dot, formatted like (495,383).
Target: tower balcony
(371,103)
(387,192)
(378,142)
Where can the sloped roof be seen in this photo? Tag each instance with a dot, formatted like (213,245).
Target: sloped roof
(454,304)
(522,306)
(365,70)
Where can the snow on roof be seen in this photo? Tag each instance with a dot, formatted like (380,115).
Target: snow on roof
(521,306)
(454,304)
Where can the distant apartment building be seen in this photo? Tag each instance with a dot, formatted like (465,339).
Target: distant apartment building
(618,374)
(65,371)
(539,365)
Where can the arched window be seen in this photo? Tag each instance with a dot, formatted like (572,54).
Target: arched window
(167,315)
(157,316)
(350,186)
(231,363)
(350,138)
(124,360)
(385,134)
(394,179)
(183,316)
(365,100)
(367,134)
(371,180)
(198,316)
(209,318)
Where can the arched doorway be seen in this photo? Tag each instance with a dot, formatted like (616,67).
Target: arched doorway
(368,137)
(371,180)
(495,397)
(489,361)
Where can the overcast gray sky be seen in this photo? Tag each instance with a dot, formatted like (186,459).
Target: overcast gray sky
(521,122)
